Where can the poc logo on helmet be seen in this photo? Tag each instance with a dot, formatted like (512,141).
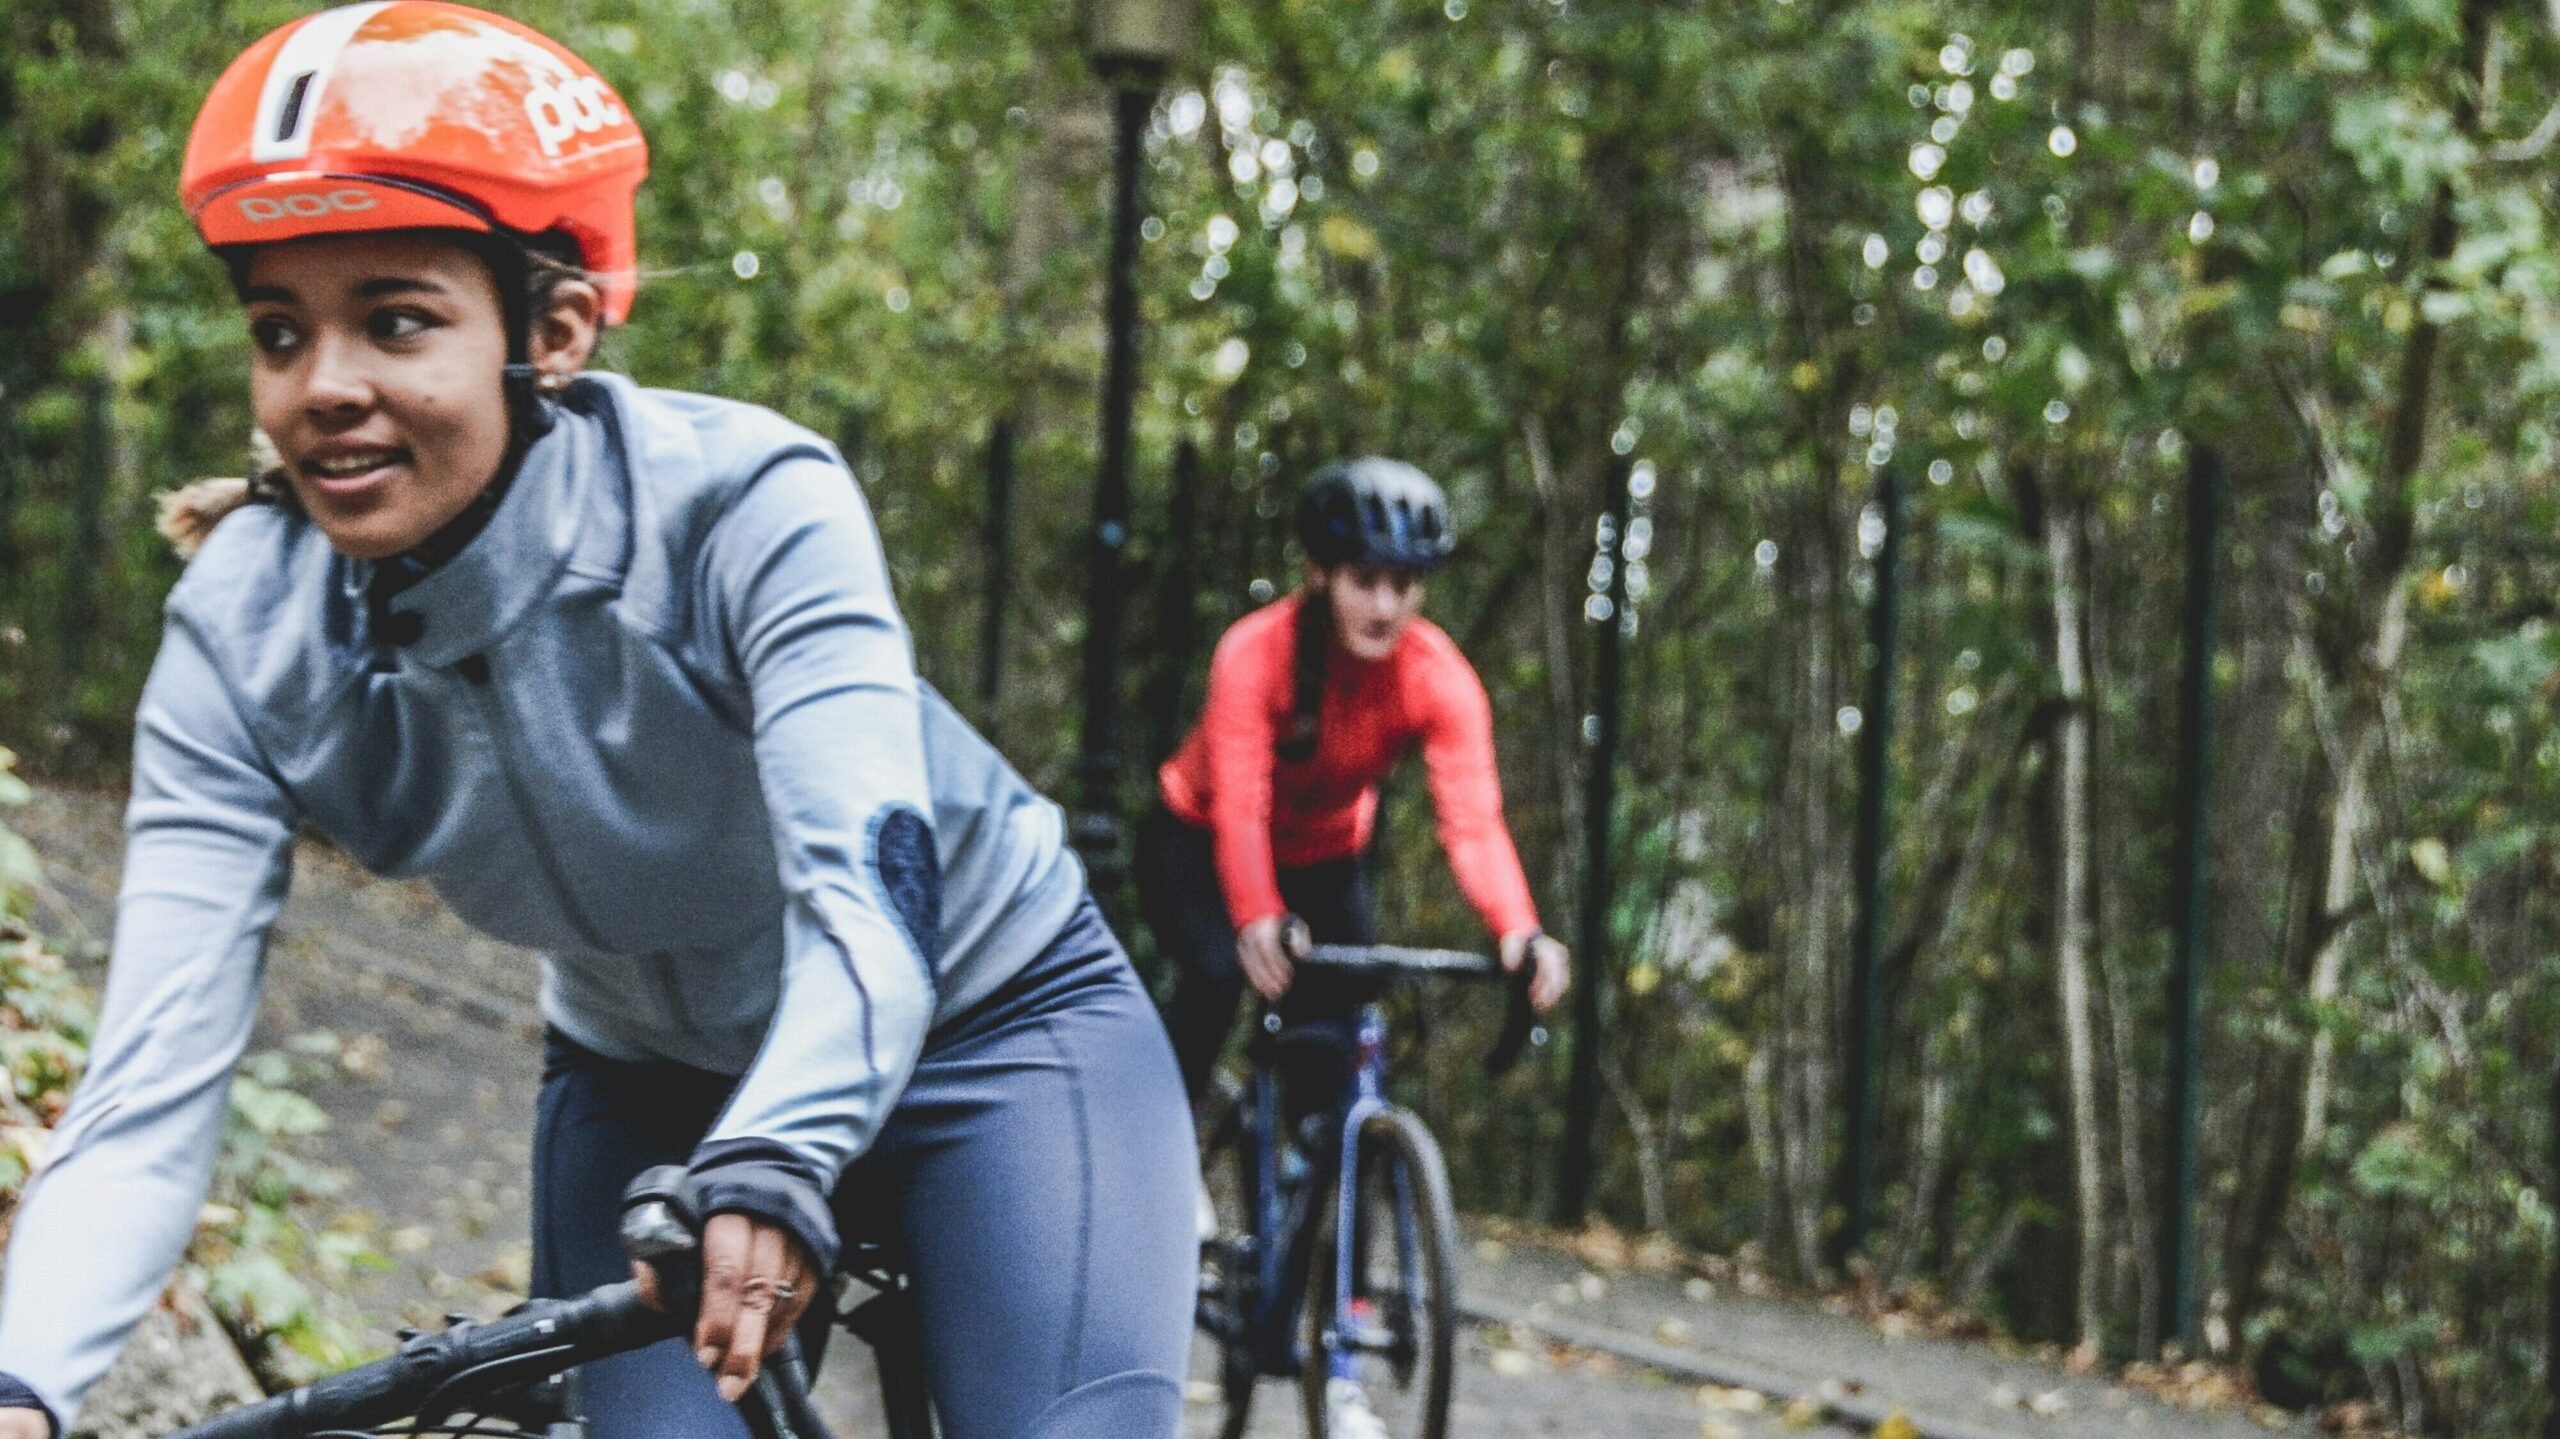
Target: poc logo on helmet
(580,107)
(308,205)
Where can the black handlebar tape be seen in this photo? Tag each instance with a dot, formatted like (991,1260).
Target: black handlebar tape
(777,1405)
(274,1418)
(542,1338)
(1519,1025)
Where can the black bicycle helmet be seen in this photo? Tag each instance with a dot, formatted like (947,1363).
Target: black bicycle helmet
(1374,511)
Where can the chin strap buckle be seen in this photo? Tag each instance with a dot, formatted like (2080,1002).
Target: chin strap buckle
(527,407)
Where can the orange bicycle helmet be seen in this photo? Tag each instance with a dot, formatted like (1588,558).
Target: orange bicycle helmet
(413,114)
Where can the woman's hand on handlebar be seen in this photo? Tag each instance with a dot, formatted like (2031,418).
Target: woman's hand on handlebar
(24,1424)
(1262,953)
(1554,965)
(755,1286)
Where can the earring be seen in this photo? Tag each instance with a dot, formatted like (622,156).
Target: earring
(552,383)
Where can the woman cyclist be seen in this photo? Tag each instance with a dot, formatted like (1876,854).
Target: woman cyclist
(1267,808)
(618,671)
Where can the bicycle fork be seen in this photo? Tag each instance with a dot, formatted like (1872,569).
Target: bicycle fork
(1348,1334)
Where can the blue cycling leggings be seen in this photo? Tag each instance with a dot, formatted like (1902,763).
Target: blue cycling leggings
(1037,1174)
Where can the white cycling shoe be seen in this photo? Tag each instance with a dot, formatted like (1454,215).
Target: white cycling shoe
(1347,1414)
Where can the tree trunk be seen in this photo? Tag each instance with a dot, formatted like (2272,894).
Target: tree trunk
(2351,822)
(2362,666)
(2071,927)
(1653,1177)
(1561,585)
(1929,1152)
(1810,986)
(1760,1114)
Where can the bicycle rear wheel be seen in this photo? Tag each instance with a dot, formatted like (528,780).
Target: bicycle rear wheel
(1401,1344)
(1226,1268)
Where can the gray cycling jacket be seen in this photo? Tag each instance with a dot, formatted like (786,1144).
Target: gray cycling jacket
(659,720)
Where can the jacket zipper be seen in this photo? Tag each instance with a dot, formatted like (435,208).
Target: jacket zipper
(494,716)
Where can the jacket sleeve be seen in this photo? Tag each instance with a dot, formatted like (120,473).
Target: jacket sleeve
(1236,721)
(1466,794)
(108,1214)
(799,591)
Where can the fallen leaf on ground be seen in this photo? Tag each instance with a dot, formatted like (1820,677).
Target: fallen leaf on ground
(511,1271)
(1601,1246)
(1717,1429)
(1732,1401)
(365,1056)
(1673,1331)
(1896,1425)
(1803,1412)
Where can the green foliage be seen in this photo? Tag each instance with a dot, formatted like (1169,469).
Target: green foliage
(269,1266)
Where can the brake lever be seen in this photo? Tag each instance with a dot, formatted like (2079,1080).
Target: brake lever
(661,1229)
(1520,1027)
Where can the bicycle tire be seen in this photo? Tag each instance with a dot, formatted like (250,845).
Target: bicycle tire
(1424,1312)
(1225,1148)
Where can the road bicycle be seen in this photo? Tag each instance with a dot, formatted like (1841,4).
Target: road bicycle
(510,1377)
(1281,1292)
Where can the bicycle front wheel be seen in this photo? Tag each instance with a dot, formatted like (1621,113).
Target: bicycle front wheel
(1395,1334)
(1226,1298)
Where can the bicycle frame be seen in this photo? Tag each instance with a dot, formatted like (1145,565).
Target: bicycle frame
(1282,1233)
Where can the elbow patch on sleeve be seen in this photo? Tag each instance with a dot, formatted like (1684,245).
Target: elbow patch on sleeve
(909,874)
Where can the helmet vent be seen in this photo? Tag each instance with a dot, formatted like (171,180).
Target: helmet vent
(289,114)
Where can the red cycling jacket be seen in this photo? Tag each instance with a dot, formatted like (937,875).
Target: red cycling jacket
(1266,812)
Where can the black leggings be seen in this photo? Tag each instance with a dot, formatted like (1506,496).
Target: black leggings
(1179,893)
(1032,1177)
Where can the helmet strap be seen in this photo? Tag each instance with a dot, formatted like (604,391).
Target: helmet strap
(529,415)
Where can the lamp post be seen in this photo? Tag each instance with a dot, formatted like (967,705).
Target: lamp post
(1131,44)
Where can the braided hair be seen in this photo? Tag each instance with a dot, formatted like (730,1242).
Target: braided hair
(1311,643)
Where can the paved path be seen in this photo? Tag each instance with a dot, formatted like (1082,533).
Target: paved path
(1946,1388)
(431,1106)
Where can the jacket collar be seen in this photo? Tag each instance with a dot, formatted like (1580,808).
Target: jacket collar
(467,603)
